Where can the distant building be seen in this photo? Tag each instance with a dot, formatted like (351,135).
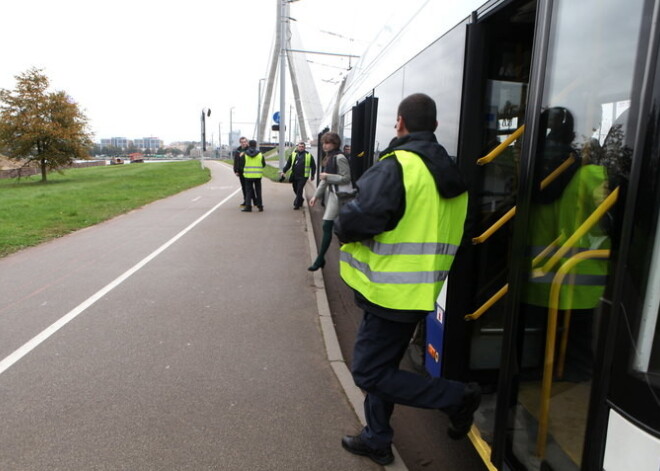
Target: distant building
(152,143)
(120,142)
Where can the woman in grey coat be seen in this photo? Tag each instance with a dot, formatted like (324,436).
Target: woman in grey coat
(335,171)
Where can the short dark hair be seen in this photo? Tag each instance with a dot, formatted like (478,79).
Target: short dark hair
(418,112)
(252,143)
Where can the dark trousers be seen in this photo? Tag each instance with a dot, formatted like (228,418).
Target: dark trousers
(379,348)
(253,192)
(242,180)
(298,185)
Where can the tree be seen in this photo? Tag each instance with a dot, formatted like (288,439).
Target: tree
(40,126)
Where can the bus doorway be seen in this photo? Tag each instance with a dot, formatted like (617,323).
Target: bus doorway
(495,97)
(545,147)
(497,69)
(363,136)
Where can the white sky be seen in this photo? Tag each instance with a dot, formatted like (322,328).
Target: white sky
(144,68)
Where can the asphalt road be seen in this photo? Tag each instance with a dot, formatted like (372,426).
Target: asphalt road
(181,336)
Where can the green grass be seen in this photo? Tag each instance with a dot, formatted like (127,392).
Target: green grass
(32,212)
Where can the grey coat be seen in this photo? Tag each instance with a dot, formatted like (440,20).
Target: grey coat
(326,189)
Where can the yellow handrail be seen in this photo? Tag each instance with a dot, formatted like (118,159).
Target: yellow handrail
(586,226)
(495,227)
(487,305)
(500,148)
(510,213)
(558,171)
(550,338)
(500,294)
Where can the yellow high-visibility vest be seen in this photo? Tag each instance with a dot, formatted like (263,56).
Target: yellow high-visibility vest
(253,167)
(585,284)
(405,268)
(308,163)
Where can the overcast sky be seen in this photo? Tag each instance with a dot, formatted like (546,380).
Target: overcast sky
(140,68)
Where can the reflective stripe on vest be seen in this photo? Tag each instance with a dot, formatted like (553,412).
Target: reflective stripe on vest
(410,248)
(401,278)
(404,269)
(253,167)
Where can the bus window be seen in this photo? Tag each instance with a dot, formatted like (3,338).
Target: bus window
(582,157)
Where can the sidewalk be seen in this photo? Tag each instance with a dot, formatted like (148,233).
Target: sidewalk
(195,339)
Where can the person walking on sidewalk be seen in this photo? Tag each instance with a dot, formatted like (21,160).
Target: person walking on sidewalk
(335,171)
(252,172)
(239,163)
(400,235)
(302,166)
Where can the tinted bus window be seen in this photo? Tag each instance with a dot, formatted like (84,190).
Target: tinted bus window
(438,72)
(583,155)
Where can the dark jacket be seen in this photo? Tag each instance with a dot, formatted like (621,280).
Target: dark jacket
(298,160)
(239,160)
(380,201)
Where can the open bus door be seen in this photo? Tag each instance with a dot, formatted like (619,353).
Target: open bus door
(544,149)
(363,136)
(497,67)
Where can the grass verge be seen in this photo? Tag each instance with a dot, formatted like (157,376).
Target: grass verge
(32,212)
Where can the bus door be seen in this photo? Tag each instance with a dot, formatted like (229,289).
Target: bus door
(530,288)
(495,94)
(497,68)
(363,136)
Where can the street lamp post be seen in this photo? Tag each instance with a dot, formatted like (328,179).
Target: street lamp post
(220,137)
(283,45)
(231,130)
(205,112)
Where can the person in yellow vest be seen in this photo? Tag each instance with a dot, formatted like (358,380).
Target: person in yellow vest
(302,166)
(253,170)
(400,235)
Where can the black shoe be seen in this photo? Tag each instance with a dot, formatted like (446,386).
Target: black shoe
(315,266)
(296,207)
(261,208)
(355,445)
(462,416)
(247,209)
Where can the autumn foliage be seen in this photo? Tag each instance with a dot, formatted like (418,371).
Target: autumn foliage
(41,126)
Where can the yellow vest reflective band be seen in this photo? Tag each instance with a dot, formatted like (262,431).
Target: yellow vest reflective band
(253,167)
(585,284)
(405,268)
(308,163)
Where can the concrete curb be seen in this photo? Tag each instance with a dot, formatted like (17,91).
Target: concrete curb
(336,359)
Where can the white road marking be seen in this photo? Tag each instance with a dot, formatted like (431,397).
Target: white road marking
(196,199)
(14,357)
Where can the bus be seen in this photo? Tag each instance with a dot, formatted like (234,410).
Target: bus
(552,111)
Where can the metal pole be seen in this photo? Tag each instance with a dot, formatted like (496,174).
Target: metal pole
(231,140)
(220,138)
(283,44)
(201,149)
